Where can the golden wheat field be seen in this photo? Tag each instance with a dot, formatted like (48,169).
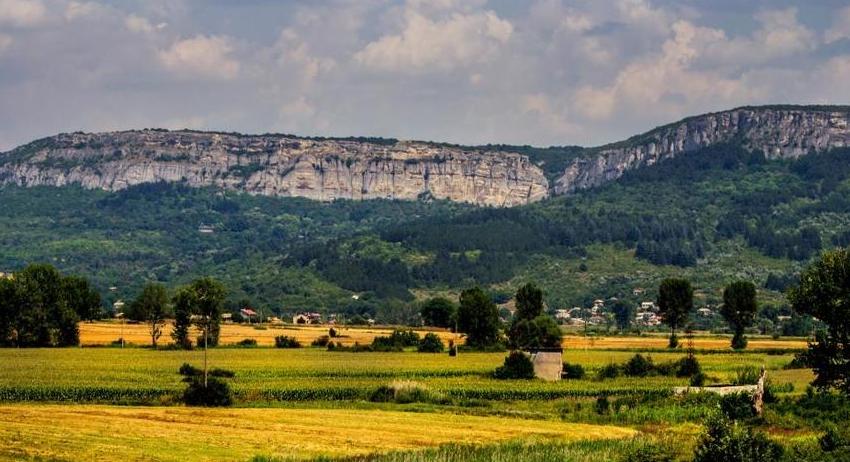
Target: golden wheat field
(182,434)
(104,333)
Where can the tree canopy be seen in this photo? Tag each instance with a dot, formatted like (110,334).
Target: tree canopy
(824,293)
(478,317)
(739,309)
(675,303)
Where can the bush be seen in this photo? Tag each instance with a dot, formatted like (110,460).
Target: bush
(321,341)
(609,371)
(697,380)
(283,341)
(216,393)
(431,343)
(733,442)
(404,338)
(688,367)
(602,406)
(737,406)
(638,366)
(517,366)
(572,371)
(248,342)
(332,333)
(452,348)
(800,361)
(189,370)
(404,392)
(739,342)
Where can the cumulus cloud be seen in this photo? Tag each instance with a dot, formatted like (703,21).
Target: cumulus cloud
(22,12)
(427,44)
(140,24)
(203,56)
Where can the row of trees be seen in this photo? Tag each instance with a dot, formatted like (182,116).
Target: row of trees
(676,303)
(39,307)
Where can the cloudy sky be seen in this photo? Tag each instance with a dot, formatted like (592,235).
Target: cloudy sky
(541,72)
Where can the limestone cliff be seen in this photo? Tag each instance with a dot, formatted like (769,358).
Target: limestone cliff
(778,131)
(277,165)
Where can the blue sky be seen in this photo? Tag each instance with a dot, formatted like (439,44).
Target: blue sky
(541,72)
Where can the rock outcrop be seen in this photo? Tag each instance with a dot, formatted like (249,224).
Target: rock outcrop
(277,165)
(778,131)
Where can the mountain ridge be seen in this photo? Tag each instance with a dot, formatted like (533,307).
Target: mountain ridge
(328,168)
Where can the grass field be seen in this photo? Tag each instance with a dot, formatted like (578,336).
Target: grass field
(75,404)
(182,434)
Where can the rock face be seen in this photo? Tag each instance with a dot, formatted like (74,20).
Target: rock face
(277,165)
(779,132)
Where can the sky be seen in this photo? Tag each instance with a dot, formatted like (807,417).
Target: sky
(539,72)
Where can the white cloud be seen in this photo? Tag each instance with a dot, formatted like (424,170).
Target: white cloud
(139,24)
(201,56)
(22,12)
(427,44)
(840,28)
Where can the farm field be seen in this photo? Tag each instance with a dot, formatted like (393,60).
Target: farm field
(105,333)
(181,434)
(75,404)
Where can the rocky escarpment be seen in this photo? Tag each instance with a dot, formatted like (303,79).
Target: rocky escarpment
(779,132)
(277,165)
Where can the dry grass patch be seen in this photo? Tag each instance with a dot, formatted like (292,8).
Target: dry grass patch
(94,433)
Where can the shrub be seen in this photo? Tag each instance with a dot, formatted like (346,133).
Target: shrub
(609,371)
(404,338)
(688,367)
(332,333)
(572,371)
(216,393)
(189,370)
(431,343)
(248,342)
(800,361)
(697,380)
(321,341)
(283,341)
(404,392)
(452,348)
(734,442)
(737,406)
(517,366)
(602,405)
(638,366)
(739,342)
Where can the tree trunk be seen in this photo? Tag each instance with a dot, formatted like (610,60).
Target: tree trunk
(206,340)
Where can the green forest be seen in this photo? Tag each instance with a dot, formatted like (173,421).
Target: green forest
(713,216)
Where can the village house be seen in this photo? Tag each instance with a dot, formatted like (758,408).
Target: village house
(307,318)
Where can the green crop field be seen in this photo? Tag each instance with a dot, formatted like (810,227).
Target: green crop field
(322,395)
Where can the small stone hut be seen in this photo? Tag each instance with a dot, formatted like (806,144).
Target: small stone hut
(548,363)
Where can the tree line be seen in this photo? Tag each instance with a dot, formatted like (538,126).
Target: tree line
(40,307)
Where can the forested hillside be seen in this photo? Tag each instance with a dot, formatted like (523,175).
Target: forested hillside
(714,215)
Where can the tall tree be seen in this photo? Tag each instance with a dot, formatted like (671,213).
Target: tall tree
(8,311)
(184,303)
(151,306)
(624,313)
(478,317)
(82,297)
(209,297)
(675,303)
(824,293)
(529,301)
(739,308)
(438,312)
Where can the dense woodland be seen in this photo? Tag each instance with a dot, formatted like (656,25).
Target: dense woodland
(692,214)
